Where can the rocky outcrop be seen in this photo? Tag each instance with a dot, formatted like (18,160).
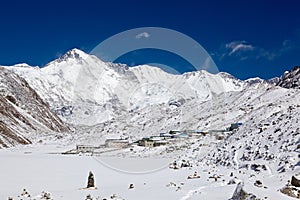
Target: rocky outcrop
(23,112)
(291,79)
(291,191)
(292,188)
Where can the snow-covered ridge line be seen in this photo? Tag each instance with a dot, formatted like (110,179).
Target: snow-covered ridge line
(78,56)
(77,78)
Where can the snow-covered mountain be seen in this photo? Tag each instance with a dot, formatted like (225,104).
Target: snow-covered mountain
(85,90)
(105,100)
(23,113)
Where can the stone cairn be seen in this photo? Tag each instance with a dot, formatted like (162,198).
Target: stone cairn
(91,180)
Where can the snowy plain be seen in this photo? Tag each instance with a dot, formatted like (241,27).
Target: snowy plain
(40,168)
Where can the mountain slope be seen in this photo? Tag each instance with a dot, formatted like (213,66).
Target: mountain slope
(270,132)
(105,99)
(23,113)
(85,90)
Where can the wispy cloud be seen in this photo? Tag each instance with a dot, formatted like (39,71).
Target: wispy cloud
(244,50)
(238,46)
(142,35)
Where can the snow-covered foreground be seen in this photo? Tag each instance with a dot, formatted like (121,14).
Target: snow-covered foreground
(38,169)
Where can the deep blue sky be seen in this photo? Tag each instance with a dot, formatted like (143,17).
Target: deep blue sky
(245,38)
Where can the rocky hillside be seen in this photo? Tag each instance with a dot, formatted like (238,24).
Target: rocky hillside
(291,79)
(22,112)
(269,138)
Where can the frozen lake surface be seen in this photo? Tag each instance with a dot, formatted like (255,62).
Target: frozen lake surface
(64,176)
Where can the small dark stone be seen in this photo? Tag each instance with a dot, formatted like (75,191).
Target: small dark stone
(231,182)
(131,186)
(258,183)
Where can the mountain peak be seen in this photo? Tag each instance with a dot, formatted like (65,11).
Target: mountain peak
(74,54)
(255,80)
(22,65)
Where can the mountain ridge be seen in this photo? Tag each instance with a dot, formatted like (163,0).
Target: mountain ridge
(87,92)
(84,79)
(23,113)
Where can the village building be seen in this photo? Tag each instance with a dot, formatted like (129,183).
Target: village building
(146,142)
(178,135)
(165,135)
(160,143)
(197,133)
(85,148)
(152,142)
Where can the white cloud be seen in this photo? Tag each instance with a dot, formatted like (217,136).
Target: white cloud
(142,35)
(238,46)
(243,50)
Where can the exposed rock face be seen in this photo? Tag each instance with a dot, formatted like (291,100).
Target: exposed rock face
(23,112)
(291,79)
